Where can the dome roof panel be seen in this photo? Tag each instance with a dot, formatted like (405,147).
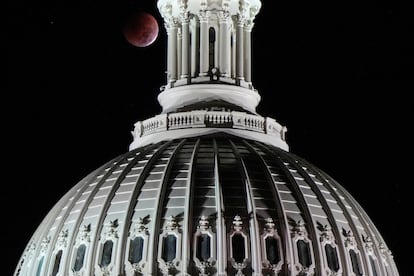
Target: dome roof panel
(154,209)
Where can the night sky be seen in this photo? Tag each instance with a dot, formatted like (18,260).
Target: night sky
(338,74)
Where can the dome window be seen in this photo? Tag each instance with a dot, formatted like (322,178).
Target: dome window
(135,250)
(39,267)
(56,264)
(169,248)
(106,253)
(332,257)
(238,246)
(271,249)
(373,266)
(330,251)
(302,247)
(356,265)
(80,256)
(138,246)
(304,253)
(203,247)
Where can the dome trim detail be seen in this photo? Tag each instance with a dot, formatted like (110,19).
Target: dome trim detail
(192,123)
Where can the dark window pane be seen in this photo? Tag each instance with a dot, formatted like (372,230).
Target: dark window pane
(332,257)
(203,248)
(57,263)
(39,267)
(304,253)
(272,250)
(237,242)
(169,248)
(106,253)
(356,266)
(80,256)
(373,266)
(212,39)
(136,250)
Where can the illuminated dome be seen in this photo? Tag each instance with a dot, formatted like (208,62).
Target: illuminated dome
(208,186)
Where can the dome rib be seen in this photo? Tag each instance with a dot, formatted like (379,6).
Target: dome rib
(103,214)
(256,259)
(221,224)
(367,224)
(73,195)
(280,210)
(158,208)
(189,197)
(312,231)
(93,231)
(339,201)
(154,153)
(330,216)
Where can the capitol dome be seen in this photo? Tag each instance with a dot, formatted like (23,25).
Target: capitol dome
(208,187)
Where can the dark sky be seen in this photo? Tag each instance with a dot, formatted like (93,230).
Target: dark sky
(337,73)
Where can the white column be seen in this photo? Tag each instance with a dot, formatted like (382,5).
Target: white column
(239,49)
(225,44)
(204,43)
(248,52)
(185,46)
(179,52)
(194,48)
(233,54)
(172,52)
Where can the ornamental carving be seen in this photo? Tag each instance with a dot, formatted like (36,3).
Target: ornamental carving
(85,233)
(140,227)
(62,238)
(44,245)
(369,244)
(111,231)
(326,234)
(349,239)
(299,229)
(237,224)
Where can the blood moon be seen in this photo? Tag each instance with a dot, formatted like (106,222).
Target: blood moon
(140,29)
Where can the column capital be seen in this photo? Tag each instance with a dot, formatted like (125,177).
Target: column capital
(224,16)
(248,25)
(171,26)
(240,20)
(204,15)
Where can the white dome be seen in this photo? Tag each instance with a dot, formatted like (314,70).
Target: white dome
(212,205)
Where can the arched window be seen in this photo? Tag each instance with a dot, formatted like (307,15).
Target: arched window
(39,267)
(304,253)
(203,247)
(56,264)
(356,265)
(211,48)
(272,250)
(106,253)
(332,257)
(80,256)
(373,266)
(136,250)
(169,249)
(238,248)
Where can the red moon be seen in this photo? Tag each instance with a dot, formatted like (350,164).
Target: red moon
(141,29)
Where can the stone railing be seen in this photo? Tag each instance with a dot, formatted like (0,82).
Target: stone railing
(209,119)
